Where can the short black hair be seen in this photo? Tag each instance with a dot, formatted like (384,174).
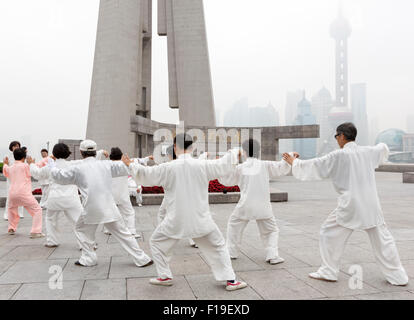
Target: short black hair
(252,148)
(183,141)
(171,152)
(14,144)
(44,150)
(116,154)
(88,154)
(349,130)
(61,151)
(19,154)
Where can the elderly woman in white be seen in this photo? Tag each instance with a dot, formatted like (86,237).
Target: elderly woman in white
(352,170)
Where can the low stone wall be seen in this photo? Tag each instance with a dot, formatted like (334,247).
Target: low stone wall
(214,198)
(408,177)
(396,167)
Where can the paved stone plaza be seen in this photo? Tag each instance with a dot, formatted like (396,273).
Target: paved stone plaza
(25,263)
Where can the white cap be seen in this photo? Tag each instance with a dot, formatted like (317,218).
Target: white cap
(88,145)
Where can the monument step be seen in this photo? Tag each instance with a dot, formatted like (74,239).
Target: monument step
(408,177)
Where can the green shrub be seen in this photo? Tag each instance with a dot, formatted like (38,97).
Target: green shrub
(1,167)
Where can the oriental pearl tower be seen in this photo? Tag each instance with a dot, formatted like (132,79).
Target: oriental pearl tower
(340,32)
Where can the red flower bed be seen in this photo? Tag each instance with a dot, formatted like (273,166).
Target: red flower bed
(214,187)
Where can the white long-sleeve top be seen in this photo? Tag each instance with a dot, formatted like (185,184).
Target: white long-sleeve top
(253,177)
(61,197)
(185,182)
(94,180)
(352,170)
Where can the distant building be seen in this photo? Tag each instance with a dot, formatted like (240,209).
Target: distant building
(393,138)
(410,123)
(291,109)
(305,147)
(408,143)
(322,103)
(240,115)
(359,111)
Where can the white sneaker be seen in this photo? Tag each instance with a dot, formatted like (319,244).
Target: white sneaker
(318,276)
(276,260)
(161,282)
(237,285)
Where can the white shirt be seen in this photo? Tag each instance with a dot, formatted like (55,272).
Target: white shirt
(352,170)
(253,177)
(61,197)
(94,180)
(185,182)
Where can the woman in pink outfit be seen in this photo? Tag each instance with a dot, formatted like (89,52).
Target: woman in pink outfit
(20,194)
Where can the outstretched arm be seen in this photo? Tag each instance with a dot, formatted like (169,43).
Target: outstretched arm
(224,166)
(315,169)
(146,176)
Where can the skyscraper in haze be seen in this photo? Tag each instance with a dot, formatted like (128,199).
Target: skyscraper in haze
(359,110)
(291,109)
(305,147)
(322,103)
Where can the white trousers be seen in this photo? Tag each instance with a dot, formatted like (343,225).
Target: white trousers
(52,217)
(45,195)
(334,237)
(6,208)
(128,215)
(269,233)
(86,236)
(212,246)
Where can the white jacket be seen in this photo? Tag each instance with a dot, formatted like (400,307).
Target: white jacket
(94,180)
(61,197)
(352,170)
(185,182)
(253,177)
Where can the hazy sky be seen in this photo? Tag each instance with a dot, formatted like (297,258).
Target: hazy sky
(259,49)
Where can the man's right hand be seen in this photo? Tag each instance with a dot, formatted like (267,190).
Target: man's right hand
(288,158)
(30,160)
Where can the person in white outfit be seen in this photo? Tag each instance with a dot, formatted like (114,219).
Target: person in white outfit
(253,177)
(13,146)
(94,180)
(44,182)
(62,198)
(185,182)
(120,192)
(352,170)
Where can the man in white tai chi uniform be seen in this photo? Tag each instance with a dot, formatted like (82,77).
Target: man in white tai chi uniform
(94,180)
(253,177)
(185,182)
(352,170)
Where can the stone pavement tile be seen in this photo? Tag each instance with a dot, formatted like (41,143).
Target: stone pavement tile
(205,287)
(354,254)
(331,289)
(71,290)
(289,230)
(30,271)
(4,265)
(409,268)
(279,285)
(404,234)
(109,289)
(374,277)
(310,255)
(140,289)
(5,238)
(124,267)
(25,253)
(339,298)
(297,241)
(189,264)
(74,272)
(8,290)
(244,263)
(66,251)
(405,295)
(258,258)
(4,250)
(23,239)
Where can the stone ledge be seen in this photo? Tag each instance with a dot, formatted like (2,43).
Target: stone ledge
(397,167)
(214,198)
(408,177)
